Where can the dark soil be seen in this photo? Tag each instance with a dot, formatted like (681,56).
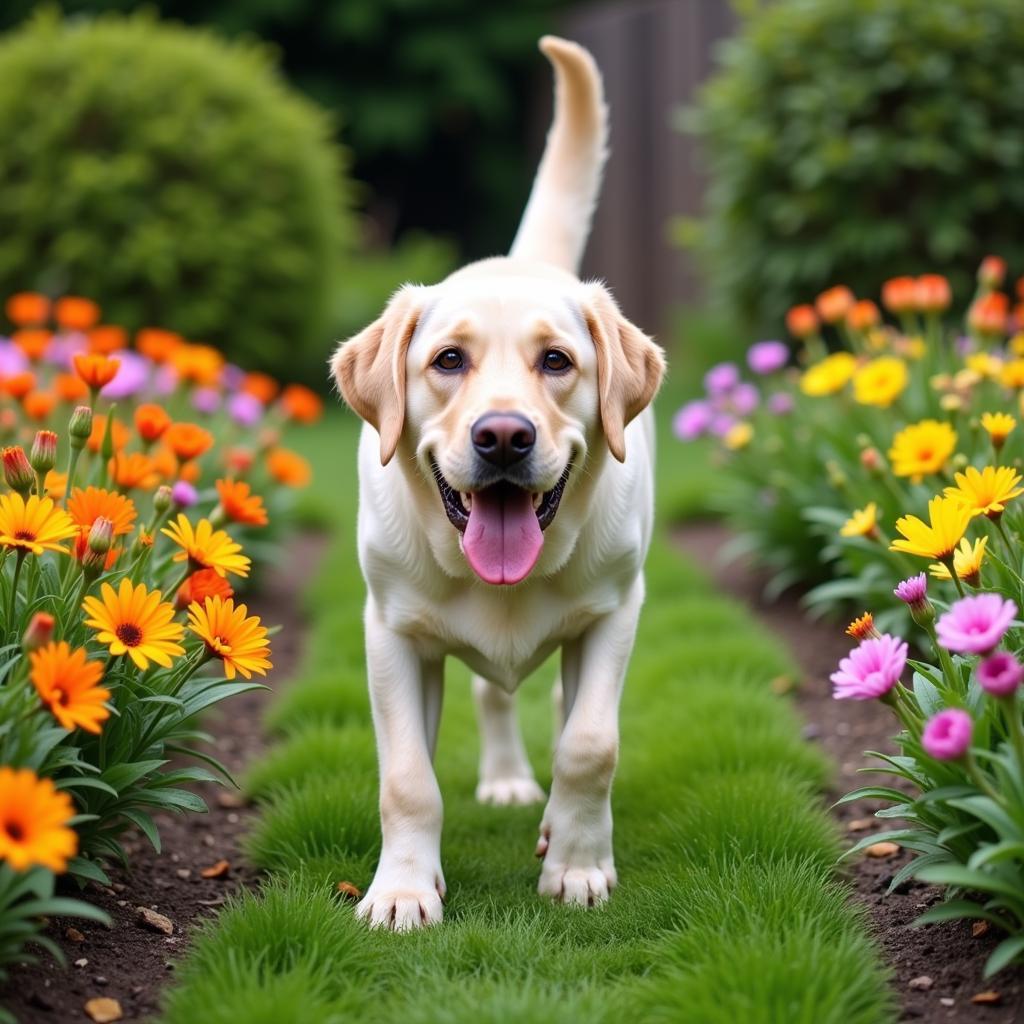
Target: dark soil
(131,962)
(947,955)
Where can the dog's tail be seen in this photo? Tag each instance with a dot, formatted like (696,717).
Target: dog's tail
(556,221)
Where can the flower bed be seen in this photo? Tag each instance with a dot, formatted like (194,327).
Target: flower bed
(120,549)
(941,405)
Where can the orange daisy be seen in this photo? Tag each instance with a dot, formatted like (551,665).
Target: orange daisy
(188,440)
(200,585)
(88,505)
(33,341)
(129,471)
(34,817)
(67,683)
(198,364)
(133,620)
(239,641)
(301,404)
(157,344)
(289,468)
(74,313)
(151,421)
(96,370)
(70,387)
(27,309)
(107,338)
(38,405)
(119,434)
(261,386)
(240,505)
(18,385)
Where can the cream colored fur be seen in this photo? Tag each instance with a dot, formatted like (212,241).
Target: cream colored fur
(584,594)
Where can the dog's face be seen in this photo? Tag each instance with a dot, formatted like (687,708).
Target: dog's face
(501,385)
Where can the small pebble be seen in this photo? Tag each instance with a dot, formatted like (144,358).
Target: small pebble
(923,983)
(882,850)
(859,824)
(980,928)
(82,963)
(73,935)
(946,1001)
(103,1010)
(151,919)
(183,872)
(989,998)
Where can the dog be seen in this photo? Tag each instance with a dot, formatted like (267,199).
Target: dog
(505,511)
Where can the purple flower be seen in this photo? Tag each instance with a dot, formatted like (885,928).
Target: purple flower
(12,359)
(247,410)
(184,494)
(744,398)
(976,624)
(947,736)
(870,670)
(781,403)
(206,400)
(132,376)
(767,357)
(721,378)
(722,423)
(64,347)
(913,590)
(165,380)
(1000,674)
(232,377)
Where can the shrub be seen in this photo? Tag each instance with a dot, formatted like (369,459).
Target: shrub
(851,141)
(173,177)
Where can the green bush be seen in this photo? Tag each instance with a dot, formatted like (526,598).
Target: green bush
(174,178)
(849,142)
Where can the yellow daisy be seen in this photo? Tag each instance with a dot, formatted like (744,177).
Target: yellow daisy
(998,426)
(239,642)
(134,621)
(206,547)
(880,382)
(922,449)
(967,561)
(738,436)
(863,522)
(984,364)
(828,376)
(1012,375)
(985,492)
(938,538)
(34,525)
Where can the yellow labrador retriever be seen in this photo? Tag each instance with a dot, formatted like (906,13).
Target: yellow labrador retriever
(505,505)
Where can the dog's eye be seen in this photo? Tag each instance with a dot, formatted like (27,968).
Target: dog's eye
(449,360)
(555,361)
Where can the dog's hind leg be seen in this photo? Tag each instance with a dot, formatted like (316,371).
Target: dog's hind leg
(505,773)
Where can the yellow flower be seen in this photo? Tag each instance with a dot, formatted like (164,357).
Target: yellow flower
(880,382)
(967,561)
(985,492)
(999,426)
(948,521)
(984,364)
(738,436)
(862,628)
(206,547)
(35,525)
(1017,344)
(239,642)
(863,522)
(134,621)
(1012,375)
(34,818)
(828,376)
(922,449)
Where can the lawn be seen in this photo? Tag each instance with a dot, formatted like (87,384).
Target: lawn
(728,907)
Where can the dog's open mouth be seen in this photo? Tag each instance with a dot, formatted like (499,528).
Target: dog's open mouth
(501,525)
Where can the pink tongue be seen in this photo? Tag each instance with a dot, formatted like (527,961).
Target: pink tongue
(503,537)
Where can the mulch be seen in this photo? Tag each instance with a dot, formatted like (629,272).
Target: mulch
(133,960)
(937,970)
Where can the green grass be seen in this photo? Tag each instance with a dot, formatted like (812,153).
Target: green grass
(728,908)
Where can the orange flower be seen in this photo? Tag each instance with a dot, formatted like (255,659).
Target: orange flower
(38,405)
(70,387)
(67,683)
(97,371)
(86,506)
(862,315)
(992,271)
(289,468)
(188,441)
(76,314)
(900,295)
(239,504)
(34,817)
(129,471)
(55,485)
(107,338)
(933,293)
(119,433)
(28,309)
(164,462)
(157,344)
(33,341)
(301,403)
(988,314)
(261,386)
(199,364)
(200,585)
(802,321)
(81,549)
(18,385)
(834,304)
(239,460)
(151,421)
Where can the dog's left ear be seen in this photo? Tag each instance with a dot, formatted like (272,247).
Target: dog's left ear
(629,366)
(370,367)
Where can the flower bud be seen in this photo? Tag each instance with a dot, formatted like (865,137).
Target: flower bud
(39,631)
(992,272)
(163,499)
(143,542)
(17,471)
(871,459)
(80,426)
(43,456)
(101,535)
(184,494)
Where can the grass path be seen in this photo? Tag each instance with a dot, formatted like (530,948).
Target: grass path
(727,910)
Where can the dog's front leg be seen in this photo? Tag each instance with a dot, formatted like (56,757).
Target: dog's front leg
(408,886)
(576,833)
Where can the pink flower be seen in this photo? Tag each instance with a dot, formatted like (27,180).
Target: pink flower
(976,624)
(780,403)
(692,420)
(913,590)
(947,735)
(871,669)
(1000,674)
(767,356)
(721,378)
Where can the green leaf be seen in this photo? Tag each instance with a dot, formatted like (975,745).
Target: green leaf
(955,910)
(1004,954)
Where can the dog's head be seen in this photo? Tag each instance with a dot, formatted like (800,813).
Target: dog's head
(503,386)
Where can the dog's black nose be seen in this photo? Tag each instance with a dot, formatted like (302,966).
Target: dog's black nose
(503,438)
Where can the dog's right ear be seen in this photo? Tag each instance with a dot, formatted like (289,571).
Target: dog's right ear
(370,367)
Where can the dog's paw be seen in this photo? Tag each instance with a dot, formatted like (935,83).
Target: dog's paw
(403,906)
(580,873)
(506,792)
